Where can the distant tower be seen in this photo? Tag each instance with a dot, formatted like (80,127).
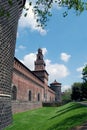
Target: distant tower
(56,87)
(40,67)
(39,63)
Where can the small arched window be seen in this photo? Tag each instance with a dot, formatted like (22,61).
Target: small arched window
(38,97)
(30,95)
(14,93)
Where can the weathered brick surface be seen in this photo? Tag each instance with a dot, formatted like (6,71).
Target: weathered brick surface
(21,106)
(5,112)
(23,86)
(25,80)
(8,30)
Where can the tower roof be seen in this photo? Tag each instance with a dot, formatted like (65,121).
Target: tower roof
(55,83)
(39,50)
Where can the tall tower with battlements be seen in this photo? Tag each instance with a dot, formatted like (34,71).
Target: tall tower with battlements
(39,63)
(40,67)
(8,31)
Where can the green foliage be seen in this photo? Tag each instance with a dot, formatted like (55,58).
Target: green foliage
(79,91)
(76,91)
(2,12)
(50,118)
(10,2)
(42,8)
(84,90)
(84,73)
(66,96)
(78,5)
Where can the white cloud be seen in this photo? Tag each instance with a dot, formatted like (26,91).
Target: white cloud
(56,71)
(22,47)
(44,50)
(17,34)
(65,57)
(30,21)
(80,69)
(16,50)
(28,60)
(65,87)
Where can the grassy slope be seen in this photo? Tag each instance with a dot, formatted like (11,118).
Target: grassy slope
(50,118)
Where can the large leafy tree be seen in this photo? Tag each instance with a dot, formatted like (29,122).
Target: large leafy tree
(79,91)
(76,91)
(42,8)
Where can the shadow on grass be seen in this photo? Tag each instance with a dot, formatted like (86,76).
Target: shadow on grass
(69,123)
(65,110)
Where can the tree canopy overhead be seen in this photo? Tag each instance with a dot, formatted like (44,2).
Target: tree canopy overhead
(42,8)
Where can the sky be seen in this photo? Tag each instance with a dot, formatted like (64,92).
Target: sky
(63,41)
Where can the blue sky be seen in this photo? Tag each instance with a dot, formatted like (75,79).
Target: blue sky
(64,44)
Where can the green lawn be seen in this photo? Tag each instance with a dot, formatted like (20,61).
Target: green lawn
(50,118)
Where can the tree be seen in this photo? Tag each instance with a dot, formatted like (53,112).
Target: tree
(84,85)
(66,96)
(84,91)
(42,8)
(76,91)
(84,73)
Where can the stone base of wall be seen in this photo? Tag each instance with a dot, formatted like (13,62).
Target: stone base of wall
(51,104)
(5,112)
(21,106)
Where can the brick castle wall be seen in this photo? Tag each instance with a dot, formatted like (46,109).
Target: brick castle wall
(5,112)
(21,106)
(24,81)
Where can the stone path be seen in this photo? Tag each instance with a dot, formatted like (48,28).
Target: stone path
(83,127)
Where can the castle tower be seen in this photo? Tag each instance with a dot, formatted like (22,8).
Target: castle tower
(8,31)
(39,63)
(56,87)
(40,67)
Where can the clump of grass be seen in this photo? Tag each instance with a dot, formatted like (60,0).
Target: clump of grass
(50,118)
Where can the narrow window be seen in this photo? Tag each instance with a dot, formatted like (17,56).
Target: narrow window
(14,93)
(50,98)
(30,95)
(38,97)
